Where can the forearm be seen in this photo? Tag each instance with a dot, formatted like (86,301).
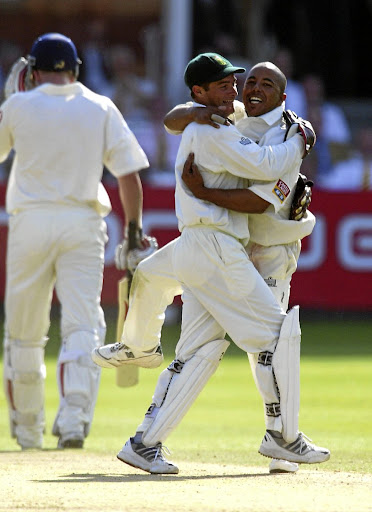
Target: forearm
(179,117)
(239,200)
(131,197)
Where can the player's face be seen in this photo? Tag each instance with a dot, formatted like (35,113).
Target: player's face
(262,92)
(221,93)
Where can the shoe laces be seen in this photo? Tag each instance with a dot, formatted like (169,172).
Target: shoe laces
(305,440)
(161,451)
(117,346)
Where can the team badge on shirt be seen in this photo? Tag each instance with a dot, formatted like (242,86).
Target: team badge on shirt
(245,141)
(281,190)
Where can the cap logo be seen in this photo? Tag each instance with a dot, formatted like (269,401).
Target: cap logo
(220,60)
(59,65)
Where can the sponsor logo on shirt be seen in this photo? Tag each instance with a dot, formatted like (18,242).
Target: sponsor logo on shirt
(270,281)
(281,190)
(245,141)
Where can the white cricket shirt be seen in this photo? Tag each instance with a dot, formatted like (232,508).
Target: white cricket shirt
(226,159)
(273,227)
(62,136)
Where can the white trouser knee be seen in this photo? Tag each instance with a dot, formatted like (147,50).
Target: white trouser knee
(153,289)
(78,381)
(177,389)
(24,376)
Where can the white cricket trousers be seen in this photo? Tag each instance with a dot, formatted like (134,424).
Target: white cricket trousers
(61,247)
(276,264)
(153,289)
(223,292)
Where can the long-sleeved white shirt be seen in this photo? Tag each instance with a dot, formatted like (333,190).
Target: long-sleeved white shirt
(227,159)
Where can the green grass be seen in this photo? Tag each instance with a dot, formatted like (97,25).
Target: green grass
(226,425)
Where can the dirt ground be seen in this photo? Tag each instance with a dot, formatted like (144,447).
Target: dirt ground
(55,481)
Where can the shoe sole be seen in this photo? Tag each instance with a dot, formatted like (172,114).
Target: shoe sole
(305,459)
(151,361)
(282,466)
(136,462)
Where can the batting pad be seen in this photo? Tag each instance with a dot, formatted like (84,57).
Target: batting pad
(264,379)
(24,376)
(286,367)
(177,389)
(78,381)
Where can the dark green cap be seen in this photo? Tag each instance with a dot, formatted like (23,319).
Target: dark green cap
(208,67)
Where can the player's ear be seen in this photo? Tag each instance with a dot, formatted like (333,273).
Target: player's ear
(197,90)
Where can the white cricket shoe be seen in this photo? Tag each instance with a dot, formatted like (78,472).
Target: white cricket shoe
(148,458)
(301,450)
(118,354)
(282,466)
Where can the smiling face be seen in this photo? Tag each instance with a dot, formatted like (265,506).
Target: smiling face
(215,94)
(263,89)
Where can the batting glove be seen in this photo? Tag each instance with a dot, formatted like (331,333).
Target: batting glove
(18,79)
(302,198)
(295,125)
(128,259)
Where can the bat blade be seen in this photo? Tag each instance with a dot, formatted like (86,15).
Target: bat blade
(127,375)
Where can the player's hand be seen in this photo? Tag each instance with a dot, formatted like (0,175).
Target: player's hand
(302,198)
(192,177)
(214,116)
(295,125)
(129,259)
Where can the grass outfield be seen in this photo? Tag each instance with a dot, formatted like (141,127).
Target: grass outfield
(225,425)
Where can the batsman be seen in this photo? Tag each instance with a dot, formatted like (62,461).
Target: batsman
(63,135)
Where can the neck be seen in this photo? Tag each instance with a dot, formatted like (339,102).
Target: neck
(62,78)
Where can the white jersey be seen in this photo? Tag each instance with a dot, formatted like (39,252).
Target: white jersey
(99,137)
(273,227)
(227,160)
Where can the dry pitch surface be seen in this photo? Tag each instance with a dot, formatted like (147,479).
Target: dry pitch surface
(55,481)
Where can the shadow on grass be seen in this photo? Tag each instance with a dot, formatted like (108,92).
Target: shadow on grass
(99,478)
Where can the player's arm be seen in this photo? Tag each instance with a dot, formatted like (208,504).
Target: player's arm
(239,200)
(131,197)
(182,115)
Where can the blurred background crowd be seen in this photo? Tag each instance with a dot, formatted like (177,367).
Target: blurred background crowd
(134,51)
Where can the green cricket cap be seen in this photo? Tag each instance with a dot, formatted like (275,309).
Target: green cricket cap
(208,67)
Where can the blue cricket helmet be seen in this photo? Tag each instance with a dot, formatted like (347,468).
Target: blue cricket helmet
(54,52)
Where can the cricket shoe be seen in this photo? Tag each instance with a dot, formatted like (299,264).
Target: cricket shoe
(70,441)
(118,354)
(282,466)
(148,458)
(301,450)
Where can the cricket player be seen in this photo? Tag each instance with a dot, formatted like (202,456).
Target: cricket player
(223,292)
(62,134)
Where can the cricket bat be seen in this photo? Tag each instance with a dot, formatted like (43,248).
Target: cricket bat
(126,375)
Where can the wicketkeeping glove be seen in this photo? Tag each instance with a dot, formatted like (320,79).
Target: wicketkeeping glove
(295,125)
(129,259)
(301,198)
(18,79)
